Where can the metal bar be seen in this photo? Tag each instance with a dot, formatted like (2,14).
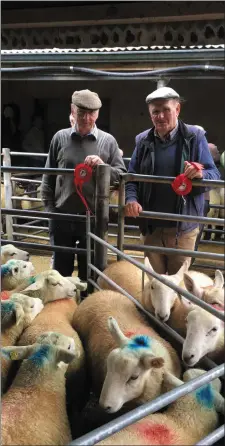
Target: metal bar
(38,170)
(53,215)
(38,232)
(88,244)
(168,180)
(201,265)
(20,234)
(121,216)
(24,180)
(29,154)
(213,437)
(8,191)
(134,257)
(167,282)
(94,284)
(211,242)
(174,251)
(45,247)
(177,217)
(22,198)
(102,213)
(43,228)
(146,409)
(219,231)
(136,237)
(220,206)
(115,225)
(29,218)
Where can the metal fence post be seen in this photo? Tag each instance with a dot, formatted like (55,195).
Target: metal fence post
(102,214)
(8,192)
(121,215)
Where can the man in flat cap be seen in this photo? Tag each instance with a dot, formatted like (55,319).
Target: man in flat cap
(164,150)
(81,143)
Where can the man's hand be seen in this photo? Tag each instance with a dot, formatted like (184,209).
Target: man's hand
(93,160)
(132,209)
(191,172)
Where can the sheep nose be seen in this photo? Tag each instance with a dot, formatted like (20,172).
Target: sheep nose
(187,358)
(108,408)
(162,318)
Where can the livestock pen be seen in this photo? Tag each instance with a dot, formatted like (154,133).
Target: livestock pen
(101,247)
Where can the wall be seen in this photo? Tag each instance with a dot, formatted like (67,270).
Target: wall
(128,113)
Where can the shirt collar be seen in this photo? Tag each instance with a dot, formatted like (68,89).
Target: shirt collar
(93,132)
(169,135)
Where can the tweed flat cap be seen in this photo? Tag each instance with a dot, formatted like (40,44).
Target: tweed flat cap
(162,93)
(86,99)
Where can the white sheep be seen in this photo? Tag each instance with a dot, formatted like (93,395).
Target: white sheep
(212,293)
(9,252)
(57,316)
(26,204)
(15,273)
(204,336)
(186,421)
(50,285)
(156,297)
(128,374)
(16,314)
(33,411)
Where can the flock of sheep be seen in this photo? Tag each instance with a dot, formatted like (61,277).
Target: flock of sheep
(55,349)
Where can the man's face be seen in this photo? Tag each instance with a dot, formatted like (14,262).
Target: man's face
(84,118)
(164,114)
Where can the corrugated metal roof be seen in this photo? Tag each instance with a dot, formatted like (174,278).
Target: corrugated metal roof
(106,49)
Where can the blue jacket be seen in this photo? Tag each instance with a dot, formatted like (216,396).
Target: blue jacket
(192,146)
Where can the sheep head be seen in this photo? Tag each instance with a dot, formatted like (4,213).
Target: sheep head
(14,272)
(203,333)
(162,297)
(128,369)
(9,252)
(50,286)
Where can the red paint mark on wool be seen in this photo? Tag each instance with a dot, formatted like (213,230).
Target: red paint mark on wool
(5,295)
(135,332)
(156,433)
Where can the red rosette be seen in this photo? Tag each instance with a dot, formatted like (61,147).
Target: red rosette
(182,185)
(82,174)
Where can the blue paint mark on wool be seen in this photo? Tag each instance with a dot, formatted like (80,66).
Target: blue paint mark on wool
(7,307)
(5,270)
(41,355)
(204,396)
(139,341)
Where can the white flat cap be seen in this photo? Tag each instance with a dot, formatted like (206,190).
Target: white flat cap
(162,93)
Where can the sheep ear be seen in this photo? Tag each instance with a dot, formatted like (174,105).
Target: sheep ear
(219,279)
(148,265)
(180,273)
(65,356)
(148,361)
(16,353)
(171,381)
(81,286)
(192,287)
(116,333)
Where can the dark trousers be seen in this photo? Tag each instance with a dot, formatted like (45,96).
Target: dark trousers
(67,233)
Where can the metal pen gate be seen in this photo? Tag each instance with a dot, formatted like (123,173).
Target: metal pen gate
(100,250)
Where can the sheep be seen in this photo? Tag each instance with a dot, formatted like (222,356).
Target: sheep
(50,285)
(9,252)
(57,316)
(16,314)
(156,297)
(204,336)
(15,273)
(34,408)
(212,293)
(90,321)
(186,421)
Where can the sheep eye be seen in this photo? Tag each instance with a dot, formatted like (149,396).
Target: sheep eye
(16,270)
(69,347)
(32,306)
(152,287)
(55,284)
(24,266)
(214,329)
(13,254)
(132,378)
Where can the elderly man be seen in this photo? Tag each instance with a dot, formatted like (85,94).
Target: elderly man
(167,150)
(83,143)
